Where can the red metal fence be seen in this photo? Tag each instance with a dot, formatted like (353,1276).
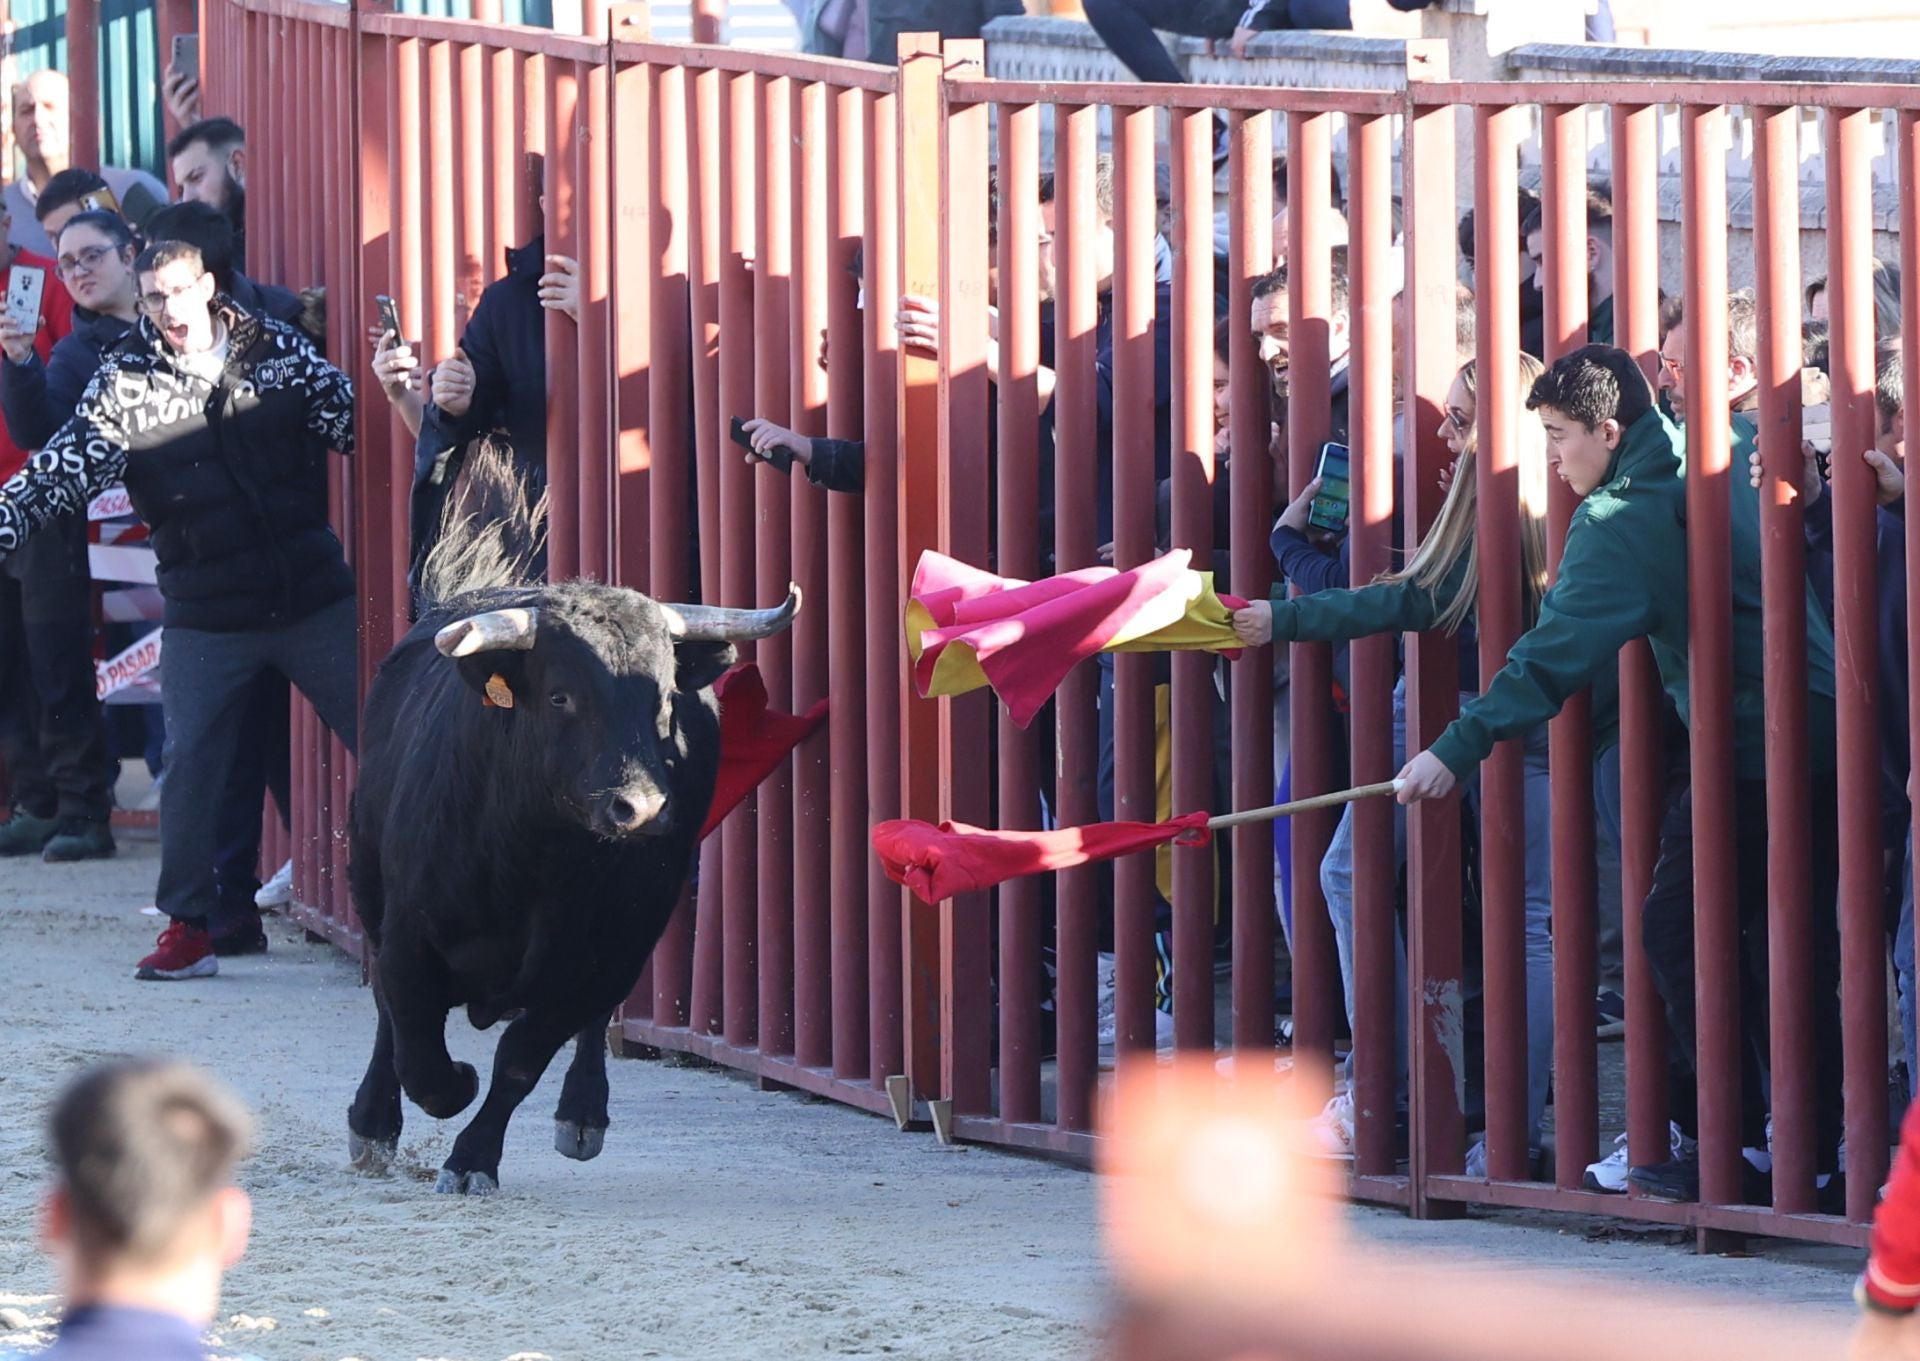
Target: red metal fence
(719,200)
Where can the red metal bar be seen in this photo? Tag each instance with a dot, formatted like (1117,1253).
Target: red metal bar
(627,200)
(1316,981)
(1783,570)
(1135,778)
(1018,390)
(1177,99)
(439,320)
(1193,695)
(1634,140)
(564,400)
(918,196)
(670,471)
(83,81)
(1249,255)
(404,257)
(844,75)
(705,156)
(966,953)
(593,335)
(847,719)
(1907,168)
(887,903)
(506,168)
(772,520)
(1502,778)
(739,178)
(1863,944)
(1430,358)
(1710,665)
(1576,1102)
(1503,94)
(812,885)
(1375,873)
(1076,314)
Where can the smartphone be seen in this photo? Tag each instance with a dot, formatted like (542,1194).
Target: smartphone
(25,284)
(186,54)
(103,201)
(389,317)
(781,459)
(1329,508)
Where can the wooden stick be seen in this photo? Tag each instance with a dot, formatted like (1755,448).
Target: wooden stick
(1282,810)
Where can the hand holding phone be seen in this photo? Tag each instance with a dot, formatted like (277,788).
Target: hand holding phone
(25,286)
(1331,506)
(777,455)
(389,317)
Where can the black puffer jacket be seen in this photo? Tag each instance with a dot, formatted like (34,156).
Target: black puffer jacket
(230,474)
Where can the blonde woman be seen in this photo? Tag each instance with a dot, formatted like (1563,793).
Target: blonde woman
(1438,590)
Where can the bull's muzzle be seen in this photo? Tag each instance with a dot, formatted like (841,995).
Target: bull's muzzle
(630,813)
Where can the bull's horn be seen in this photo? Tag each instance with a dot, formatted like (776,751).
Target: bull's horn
(711,623)
(494,631)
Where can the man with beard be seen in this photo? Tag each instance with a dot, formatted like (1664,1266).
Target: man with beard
(209,161)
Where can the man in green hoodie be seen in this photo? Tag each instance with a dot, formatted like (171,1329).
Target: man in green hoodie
(1623,576)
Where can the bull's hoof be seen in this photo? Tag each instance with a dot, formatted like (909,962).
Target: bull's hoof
(459,1094)
(371,1157)
(582,1143)
(452,1183)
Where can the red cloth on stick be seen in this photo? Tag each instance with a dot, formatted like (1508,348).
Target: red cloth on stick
(967,627)
(938,863)
(754,739)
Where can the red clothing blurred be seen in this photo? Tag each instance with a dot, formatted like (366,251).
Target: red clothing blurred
(1892,1279)
(56,319)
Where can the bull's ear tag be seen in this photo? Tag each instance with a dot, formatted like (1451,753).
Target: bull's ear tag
(499,693)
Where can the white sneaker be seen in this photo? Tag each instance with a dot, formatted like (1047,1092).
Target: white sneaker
(1610,1173)
(1332,1129)
(277,891)
(1108,1034)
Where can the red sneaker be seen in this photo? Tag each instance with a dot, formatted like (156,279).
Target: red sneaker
(185,951)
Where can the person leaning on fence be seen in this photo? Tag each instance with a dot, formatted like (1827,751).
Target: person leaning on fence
(218,422)
(143,1218)
(1625,549)
(41,121)
(1438,590)
(53,737)
(495,380)
(209,163)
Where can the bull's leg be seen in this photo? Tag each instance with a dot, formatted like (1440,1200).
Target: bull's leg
(415,984)
(580,1120)
(526,1048)
(374,1119)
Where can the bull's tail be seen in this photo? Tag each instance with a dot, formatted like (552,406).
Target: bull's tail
(491,533)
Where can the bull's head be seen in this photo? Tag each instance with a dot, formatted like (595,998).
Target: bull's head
(605,692)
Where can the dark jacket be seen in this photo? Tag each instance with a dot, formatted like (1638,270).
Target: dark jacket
(230,474)
(38,398)
(832,464)
(267,300)
(506,342)
(1623,576)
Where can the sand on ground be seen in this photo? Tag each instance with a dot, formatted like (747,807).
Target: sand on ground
(721,1221)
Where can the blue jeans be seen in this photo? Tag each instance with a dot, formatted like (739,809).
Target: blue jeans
(1903,970)
(1336,882)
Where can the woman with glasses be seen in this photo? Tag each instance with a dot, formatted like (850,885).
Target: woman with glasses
(1438,590)
(96,251)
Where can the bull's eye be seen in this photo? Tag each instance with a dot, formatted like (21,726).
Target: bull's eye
(560,699)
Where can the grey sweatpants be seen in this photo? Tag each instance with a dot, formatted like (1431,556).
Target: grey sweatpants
(205,681)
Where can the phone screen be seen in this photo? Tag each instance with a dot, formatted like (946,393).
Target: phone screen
(24,287)
(1329,509)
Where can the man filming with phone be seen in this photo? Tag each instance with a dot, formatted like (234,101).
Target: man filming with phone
(495,380)
(52,735)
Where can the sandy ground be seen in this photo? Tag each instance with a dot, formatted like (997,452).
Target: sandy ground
(720,1222)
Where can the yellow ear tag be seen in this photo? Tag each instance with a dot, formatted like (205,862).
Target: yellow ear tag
(499,693)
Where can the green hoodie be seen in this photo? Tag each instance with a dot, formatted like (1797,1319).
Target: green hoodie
(1403,607)
(1624,576)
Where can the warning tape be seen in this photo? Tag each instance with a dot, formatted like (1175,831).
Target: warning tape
(131,667)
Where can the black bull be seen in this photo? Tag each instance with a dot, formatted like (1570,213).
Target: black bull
(536,763)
